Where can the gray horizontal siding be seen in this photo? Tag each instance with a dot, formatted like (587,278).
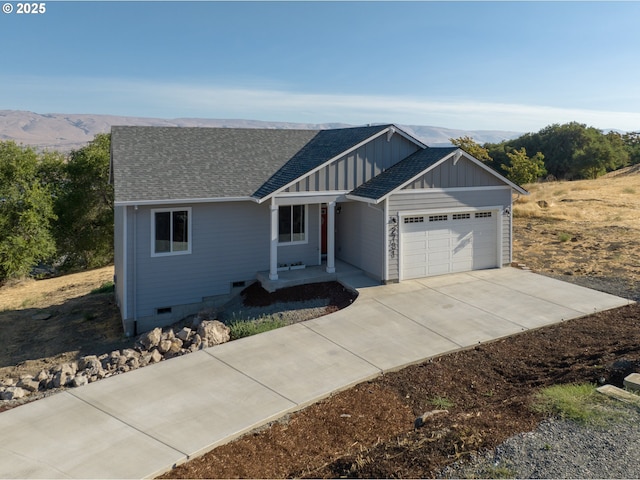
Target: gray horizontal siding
(443,200)
(463,174)
(307,253)
(230,242)
(360,237)
(359,166)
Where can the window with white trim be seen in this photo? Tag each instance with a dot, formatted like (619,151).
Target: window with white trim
(461,216)
(413,219)
(170,231)
(292,224)
(438,218)
(483,214)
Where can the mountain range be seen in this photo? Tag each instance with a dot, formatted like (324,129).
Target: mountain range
(65,132)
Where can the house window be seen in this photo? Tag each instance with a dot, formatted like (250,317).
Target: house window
(171,231)
(483,215)
(292,227)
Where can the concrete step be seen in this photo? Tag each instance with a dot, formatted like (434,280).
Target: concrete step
(632,382)
(619,394)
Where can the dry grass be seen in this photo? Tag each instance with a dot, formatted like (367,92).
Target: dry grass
(610,200)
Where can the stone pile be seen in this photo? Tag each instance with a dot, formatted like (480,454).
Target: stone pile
(151,347)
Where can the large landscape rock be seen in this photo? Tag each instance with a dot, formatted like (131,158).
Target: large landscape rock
(151,339)
(213,332)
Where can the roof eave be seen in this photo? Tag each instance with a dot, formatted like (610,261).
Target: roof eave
(171,201)
(358,198)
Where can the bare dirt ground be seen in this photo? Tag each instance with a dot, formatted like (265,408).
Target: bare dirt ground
(47,322)
(584,232)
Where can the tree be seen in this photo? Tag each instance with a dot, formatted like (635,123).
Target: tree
(524,169)
(632,145)
(471,147)
(84,206)
(26,211)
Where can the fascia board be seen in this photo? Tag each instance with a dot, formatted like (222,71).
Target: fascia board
(371,201)
(183,201)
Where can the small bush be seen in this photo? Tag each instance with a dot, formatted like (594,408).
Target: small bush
(106,287)
(245,328)
(564,237)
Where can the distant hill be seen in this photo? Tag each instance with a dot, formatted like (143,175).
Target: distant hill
(65,132)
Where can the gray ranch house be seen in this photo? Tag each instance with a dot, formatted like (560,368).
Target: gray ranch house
(199,212)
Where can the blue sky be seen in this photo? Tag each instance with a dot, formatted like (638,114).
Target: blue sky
(469,65)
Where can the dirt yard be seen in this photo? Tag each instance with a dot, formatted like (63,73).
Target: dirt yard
(585,232)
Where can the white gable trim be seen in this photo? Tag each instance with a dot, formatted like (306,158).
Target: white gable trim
(390,130)
(452,189)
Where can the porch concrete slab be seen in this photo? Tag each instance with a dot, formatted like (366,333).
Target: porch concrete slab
(382,336)
(190,403)
(457,321)
(575,297)
(296,362)
(62,436)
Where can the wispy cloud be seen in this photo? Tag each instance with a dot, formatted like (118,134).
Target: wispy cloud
(140,98)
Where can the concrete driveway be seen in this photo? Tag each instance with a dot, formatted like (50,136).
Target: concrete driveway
(140,424)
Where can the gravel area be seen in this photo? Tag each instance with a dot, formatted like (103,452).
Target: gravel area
(562,449)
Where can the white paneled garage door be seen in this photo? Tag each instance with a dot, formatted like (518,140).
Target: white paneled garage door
(448,243)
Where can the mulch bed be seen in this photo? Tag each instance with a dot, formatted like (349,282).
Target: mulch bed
(368,431)
(339,296)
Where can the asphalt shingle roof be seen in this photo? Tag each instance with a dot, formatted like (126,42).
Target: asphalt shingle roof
(167,163)
(402,172)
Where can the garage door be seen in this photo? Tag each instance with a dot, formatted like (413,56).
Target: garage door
(448,243)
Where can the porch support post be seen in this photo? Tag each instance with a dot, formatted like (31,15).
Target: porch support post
(331,237)
(273,255)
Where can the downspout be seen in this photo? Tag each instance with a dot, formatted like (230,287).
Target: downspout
(135,271)
(386,241)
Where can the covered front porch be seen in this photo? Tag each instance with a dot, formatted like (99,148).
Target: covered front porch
(310,274)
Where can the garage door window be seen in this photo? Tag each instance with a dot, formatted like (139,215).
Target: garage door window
(438,218)
(483,214)
(413,219)
(461,216)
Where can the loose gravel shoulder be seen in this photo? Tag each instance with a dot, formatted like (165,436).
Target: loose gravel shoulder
(562,449)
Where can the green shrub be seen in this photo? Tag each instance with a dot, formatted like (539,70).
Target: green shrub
(564,237)
(246,328)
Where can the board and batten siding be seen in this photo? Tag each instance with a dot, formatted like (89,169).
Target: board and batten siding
(443,200)
(463,174)
(359,166)
(360,237)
